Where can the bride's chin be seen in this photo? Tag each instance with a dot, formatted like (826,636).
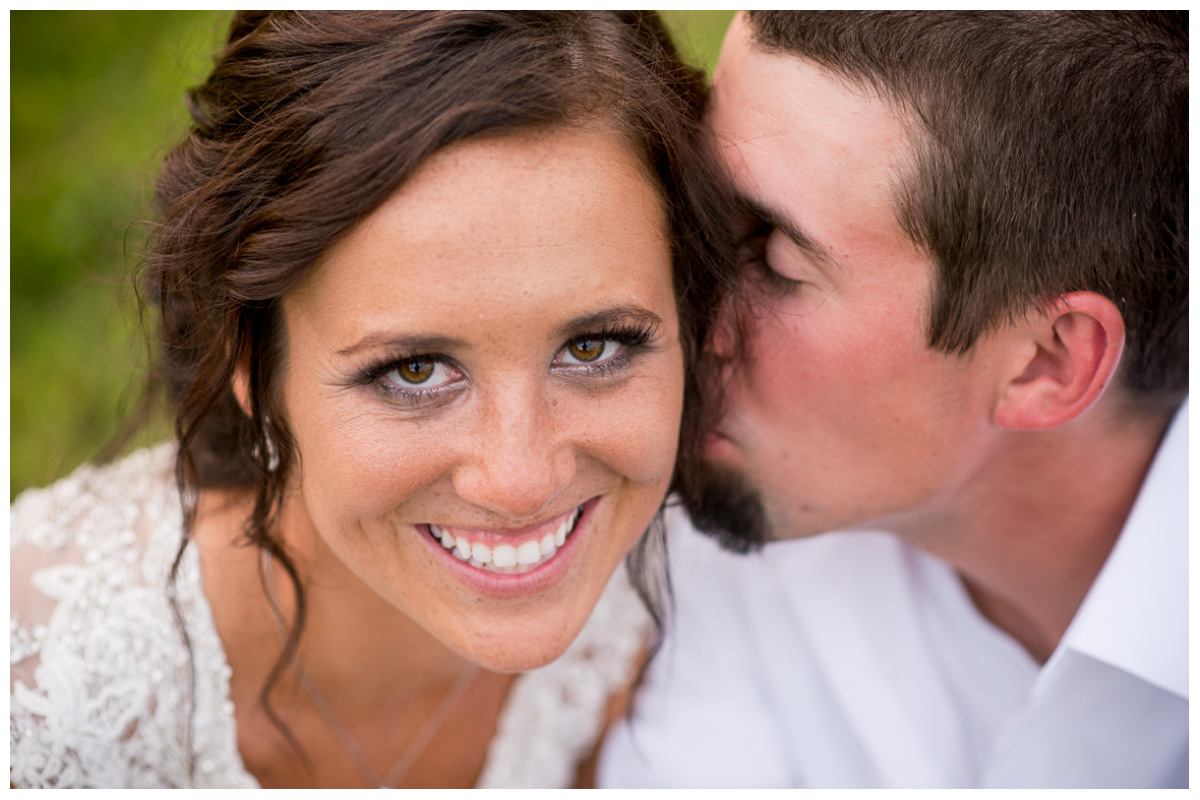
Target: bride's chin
(517,652)
(518,662)
(515,659)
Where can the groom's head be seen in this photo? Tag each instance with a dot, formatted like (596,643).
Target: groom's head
(941,195)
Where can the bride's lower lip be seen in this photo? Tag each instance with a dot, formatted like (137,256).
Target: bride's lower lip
(504,586)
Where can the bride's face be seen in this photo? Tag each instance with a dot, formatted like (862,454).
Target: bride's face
(485,382)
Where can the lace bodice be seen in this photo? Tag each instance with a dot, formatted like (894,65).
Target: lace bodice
(99,681)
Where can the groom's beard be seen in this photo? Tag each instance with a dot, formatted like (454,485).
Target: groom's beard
(723,506)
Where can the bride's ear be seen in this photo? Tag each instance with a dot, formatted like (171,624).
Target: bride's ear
(1068,354)
(241,383)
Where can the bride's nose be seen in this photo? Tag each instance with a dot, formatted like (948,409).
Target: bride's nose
(519,459)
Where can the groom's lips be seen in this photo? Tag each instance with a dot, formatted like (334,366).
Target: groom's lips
(717,439)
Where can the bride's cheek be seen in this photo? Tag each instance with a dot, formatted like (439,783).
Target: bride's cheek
(644,425)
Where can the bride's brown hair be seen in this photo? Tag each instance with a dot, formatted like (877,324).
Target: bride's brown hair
(307,123)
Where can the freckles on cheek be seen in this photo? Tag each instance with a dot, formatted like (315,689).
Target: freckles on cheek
(643,438)
(367,464)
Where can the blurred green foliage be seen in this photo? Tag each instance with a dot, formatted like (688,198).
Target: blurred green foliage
(698,34)
(96,98)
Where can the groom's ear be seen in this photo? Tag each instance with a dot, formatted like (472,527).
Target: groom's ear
(1066,355)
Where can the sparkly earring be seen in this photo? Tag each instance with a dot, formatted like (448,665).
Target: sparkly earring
(272,454)
(269,443)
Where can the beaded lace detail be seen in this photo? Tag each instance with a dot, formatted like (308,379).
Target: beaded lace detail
(99,672)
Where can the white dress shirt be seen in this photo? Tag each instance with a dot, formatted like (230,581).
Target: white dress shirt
(853,660)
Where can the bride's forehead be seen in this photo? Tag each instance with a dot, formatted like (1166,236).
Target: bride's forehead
(511,218)
(525,187)
(494,298)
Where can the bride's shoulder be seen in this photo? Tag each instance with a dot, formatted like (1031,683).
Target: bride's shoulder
(95,502)
(99,673)
(94,534)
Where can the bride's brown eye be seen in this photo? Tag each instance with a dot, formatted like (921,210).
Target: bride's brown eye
(416,370)
(586,350)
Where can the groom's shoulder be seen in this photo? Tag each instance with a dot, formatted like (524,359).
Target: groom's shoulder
(828,562)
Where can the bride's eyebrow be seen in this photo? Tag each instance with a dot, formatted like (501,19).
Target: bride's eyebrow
(400,343)
(605,319)
(609,318)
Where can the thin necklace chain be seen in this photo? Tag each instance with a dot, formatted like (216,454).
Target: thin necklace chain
(413,749)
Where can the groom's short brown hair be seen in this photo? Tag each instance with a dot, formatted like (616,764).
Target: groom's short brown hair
(1050,154)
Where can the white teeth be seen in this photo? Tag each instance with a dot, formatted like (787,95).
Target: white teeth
(529,552)
(506,555)
(507,558)
(568,525)
(447,540)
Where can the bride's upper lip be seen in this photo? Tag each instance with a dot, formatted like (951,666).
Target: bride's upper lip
(501,534)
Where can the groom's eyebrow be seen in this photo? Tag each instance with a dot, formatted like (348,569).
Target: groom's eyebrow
(791,229)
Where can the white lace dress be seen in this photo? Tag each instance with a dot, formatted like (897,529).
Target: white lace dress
(99,681)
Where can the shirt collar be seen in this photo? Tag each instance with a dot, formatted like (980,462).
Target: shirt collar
(1135,616)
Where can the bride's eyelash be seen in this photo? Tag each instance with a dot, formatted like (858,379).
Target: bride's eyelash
(377,369)
(631,336)
(372,376)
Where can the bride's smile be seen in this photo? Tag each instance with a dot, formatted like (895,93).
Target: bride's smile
(507,552)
